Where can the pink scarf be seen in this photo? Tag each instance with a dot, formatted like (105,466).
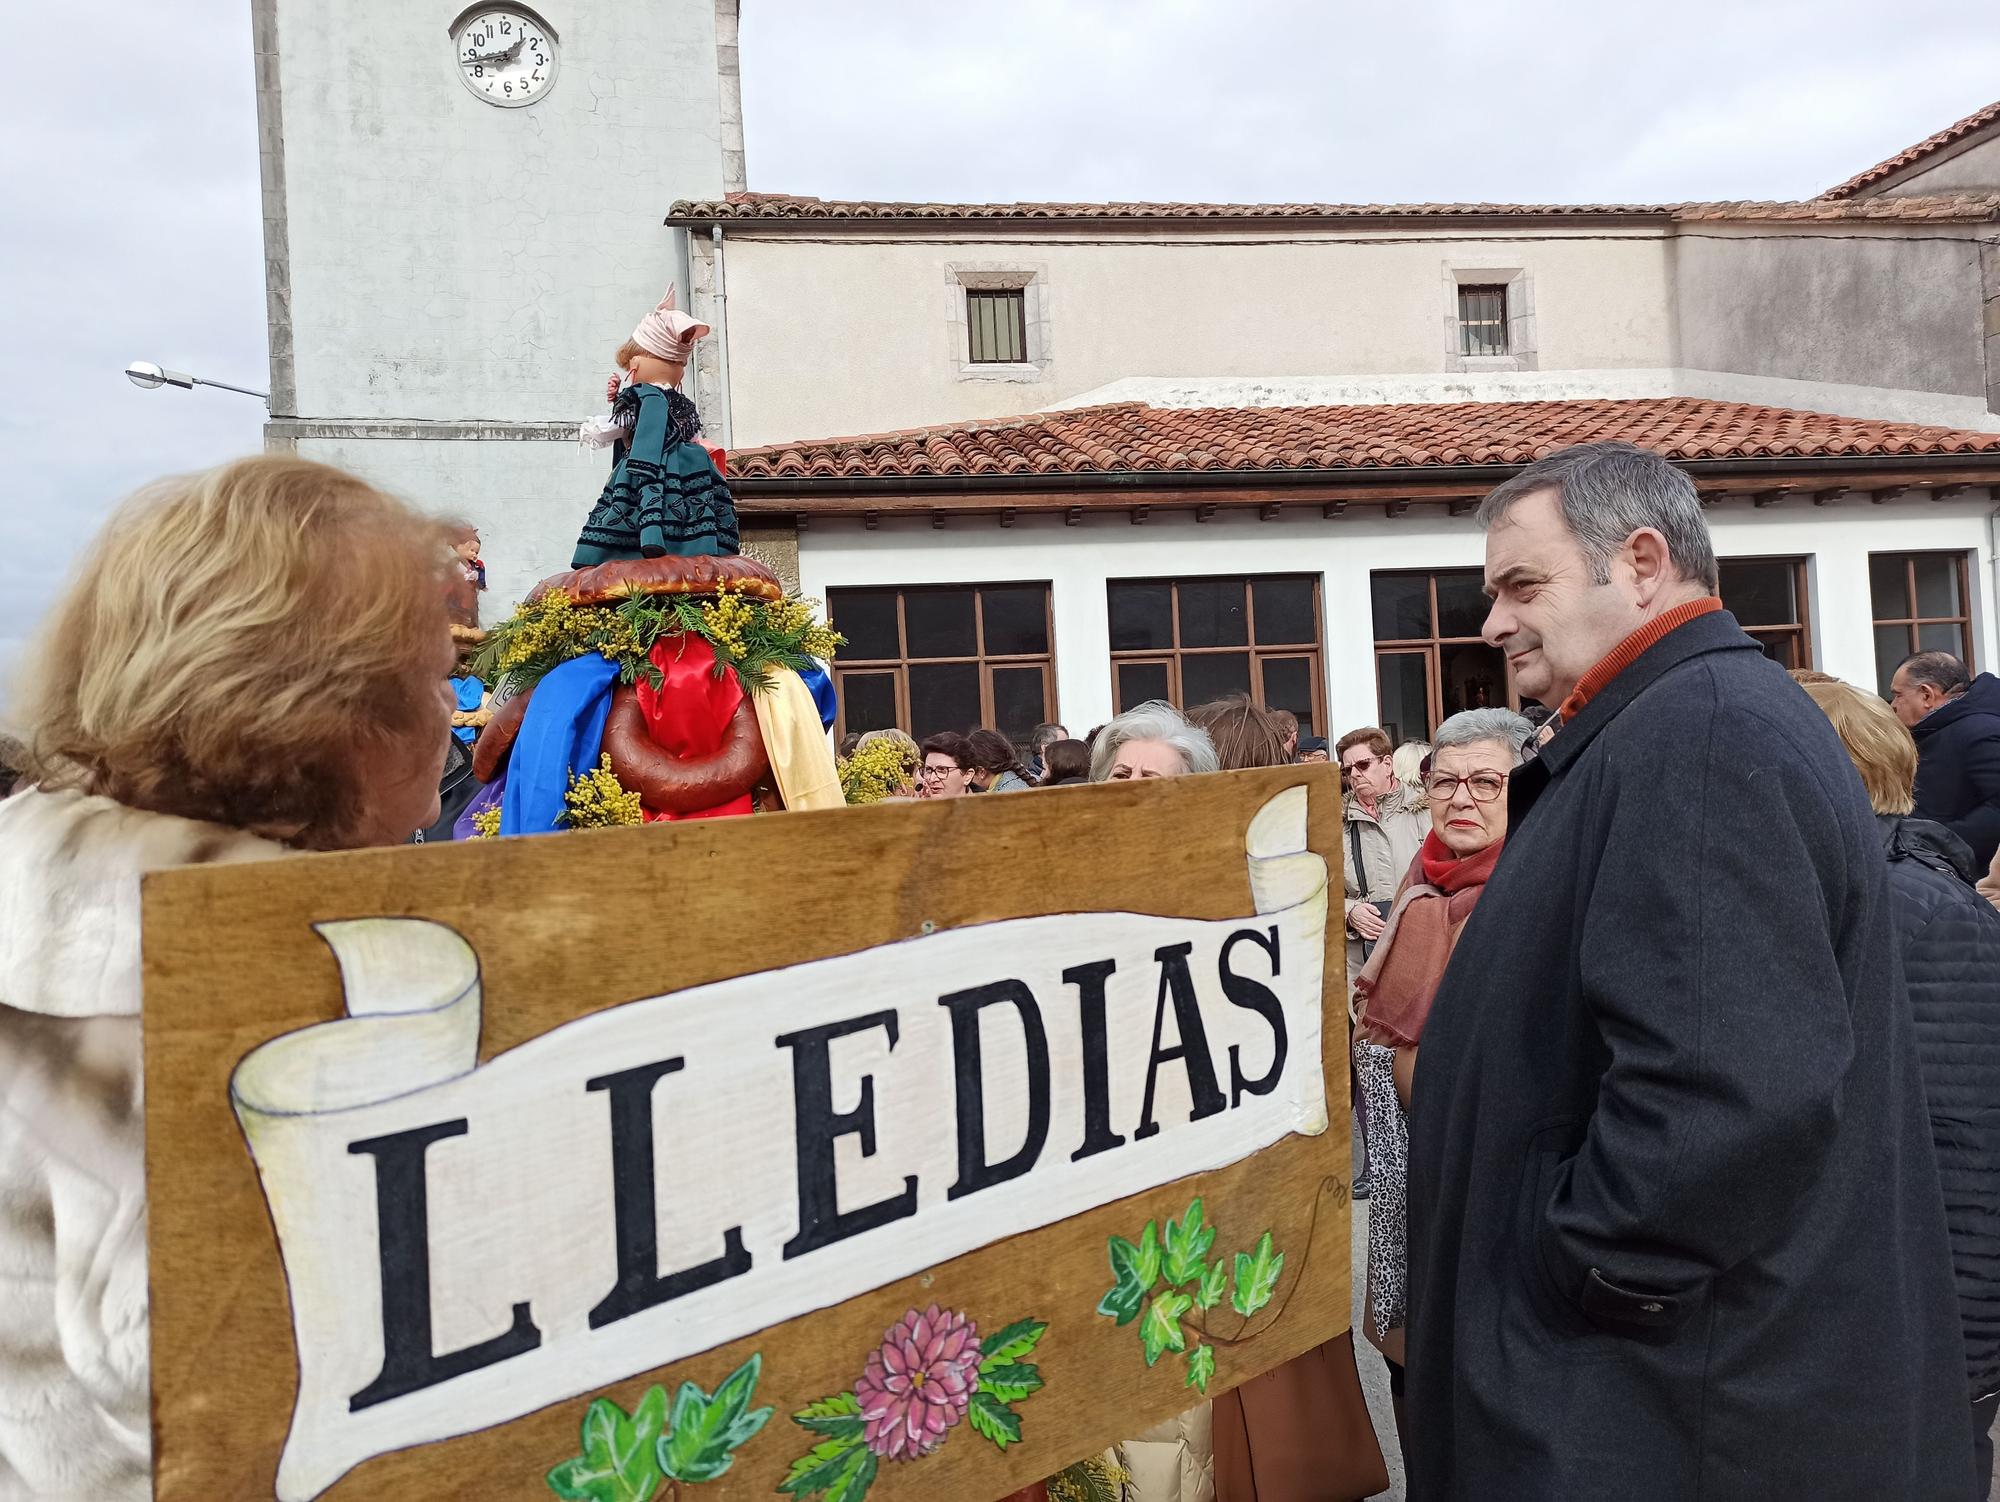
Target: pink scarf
(1401,978)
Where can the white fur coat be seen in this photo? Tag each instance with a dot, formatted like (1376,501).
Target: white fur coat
(73,1352)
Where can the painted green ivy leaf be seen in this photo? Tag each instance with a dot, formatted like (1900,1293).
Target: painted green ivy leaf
(706,1431)
(1187,1246)
(1256,1277)
(617,1463)
(1161,1329)
(1126,1296)
(1214,1283)
(1008,1344)
(826,1465)
(994,1419)
(1010,1384)
(1201,1366)
(838,1416)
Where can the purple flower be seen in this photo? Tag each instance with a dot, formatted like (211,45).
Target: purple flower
(919,1383)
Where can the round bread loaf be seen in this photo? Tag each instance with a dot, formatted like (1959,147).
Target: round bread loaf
(624,577)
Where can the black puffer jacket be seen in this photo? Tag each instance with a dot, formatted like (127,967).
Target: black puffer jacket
(1950,940)
(1958,767)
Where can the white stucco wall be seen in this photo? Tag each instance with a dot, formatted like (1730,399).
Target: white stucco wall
(451,260)
(1076,562)
(845,335)
(1973,170)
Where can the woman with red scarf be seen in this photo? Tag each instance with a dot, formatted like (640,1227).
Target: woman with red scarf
(1472,756)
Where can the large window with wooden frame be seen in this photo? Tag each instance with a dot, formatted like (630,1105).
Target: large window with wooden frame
(1189,641)
(1921,603)
(1430,662)
(1768,598)
(945,657)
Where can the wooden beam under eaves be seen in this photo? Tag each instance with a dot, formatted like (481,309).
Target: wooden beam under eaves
(1895,493)
(1138,516)
(1952,492)
(1828,497)
(802,520)
(1203,512)
(870,518)
(1007,516)
(1770,497)
(937,521)
(1333,509)
(1269,513)
(1073,516)
(1398,508)
(1459,508)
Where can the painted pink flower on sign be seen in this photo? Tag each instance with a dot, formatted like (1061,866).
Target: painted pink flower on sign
(919,1383)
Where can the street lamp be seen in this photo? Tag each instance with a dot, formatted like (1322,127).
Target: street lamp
(149,377)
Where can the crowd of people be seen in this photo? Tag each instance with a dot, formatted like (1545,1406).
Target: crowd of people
(1675,1007)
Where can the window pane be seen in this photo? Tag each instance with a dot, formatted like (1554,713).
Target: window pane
(1892,645)
(1212,615)
(1288,685)
(1474,677)
(1018,702)
(943,696)
(1782,647)
(1889,586)
(1404,695)
(939,623)
(1139,682)
(1402,606)
(1141,617)
(1213,675)
(1017,619)
(867,701)
(1462,602)
(996,322)
(1284,611)
(867,618)
(1937,585)
(1761,591)
(1941,636)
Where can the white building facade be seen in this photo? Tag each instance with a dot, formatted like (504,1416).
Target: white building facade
(448,274)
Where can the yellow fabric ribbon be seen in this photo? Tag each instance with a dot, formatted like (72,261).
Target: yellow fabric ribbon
(796,743)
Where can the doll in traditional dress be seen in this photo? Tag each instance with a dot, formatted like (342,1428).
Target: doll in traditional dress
(665,495)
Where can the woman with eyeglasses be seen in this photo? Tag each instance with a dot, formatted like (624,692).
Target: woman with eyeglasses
(1472,757)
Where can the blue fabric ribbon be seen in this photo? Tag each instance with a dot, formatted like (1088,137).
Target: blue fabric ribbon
(821,683)
(562,732)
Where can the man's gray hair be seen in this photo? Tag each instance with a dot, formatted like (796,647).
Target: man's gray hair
(1608,491)
(1471,727)
(1940,670)
(1155,720)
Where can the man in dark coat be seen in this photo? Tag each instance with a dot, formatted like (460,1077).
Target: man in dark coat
(1956,721)
(1675,1223)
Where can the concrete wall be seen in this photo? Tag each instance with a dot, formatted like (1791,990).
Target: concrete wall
(1973,170)
(1899,309)
(1076,561)
(451,260)
(842,335)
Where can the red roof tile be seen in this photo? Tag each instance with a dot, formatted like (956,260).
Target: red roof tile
(1131,437)
(1958,130)
(788,208)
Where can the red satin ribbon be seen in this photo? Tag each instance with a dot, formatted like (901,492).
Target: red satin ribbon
(686,714)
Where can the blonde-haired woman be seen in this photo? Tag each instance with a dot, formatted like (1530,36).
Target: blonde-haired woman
(249,660)
(1950,943)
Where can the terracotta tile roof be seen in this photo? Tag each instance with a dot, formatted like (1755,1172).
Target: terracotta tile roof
(788,208)
(1958,130)
(1131,437)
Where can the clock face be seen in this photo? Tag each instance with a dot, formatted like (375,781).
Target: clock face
(504,55)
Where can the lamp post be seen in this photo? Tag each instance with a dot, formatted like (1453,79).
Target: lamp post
(148,377)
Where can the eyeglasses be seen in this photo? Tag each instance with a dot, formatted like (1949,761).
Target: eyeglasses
(1484,786)
(1353,767)
(937,771)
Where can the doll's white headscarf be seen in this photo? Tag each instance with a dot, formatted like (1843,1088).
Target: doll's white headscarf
(667,332)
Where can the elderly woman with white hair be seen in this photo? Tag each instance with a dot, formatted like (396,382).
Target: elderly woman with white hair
(1151,740)
(1465,779)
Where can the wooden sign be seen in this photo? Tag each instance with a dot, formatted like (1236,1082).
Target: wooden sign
(912,1151)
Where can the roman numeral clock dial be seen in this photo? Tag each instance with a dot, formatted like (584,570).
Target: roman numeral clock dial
(505,54)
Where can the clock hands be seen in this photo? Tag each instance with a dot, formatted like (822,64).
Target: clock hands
(506,56)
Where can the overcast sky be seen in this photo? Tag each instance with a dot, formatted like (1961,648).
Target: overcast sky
(129,217)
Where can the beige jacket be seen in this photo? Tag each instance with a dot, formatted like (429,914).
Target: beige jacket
(1387,841)
(73,1379)
(1174,1461)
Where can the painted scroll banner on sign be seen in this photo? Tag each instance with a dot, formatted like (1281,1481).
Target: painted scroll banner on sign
(466,1243)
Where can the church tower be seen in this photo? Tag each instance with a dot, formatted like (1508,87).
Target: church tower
(462,222)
